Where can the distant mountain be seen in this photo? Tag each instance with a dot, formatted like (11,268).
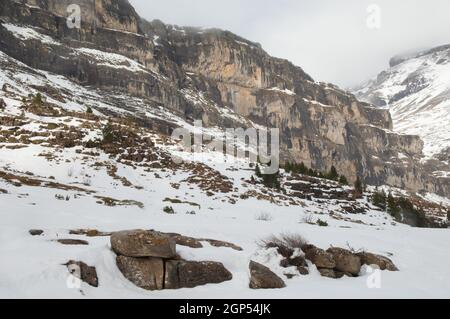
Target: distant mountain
(416,88)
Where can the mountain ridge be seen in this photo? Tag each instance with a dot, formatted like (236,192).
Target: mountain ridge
(416,91)
(201,74)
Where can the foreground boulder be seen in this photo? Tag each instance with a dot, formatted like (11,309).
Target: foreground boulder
(190,274)
(141,243)
(346,261)
(319,257)
(382,262)
(149,260)
(262,277)
(146,273)
(83,272)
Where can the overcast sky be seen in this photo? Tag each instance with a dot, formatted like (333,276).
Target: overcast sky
(329,39)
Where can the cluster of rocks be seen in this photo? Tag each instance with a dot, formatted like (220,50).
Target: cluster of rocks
(338,262)
(149,260)
(333,263)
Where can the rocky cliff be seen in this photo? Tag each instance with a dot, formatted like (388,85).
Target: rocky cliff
(218,77)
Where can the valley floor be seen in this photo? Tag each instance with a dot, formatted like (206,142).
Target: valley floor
(33,266)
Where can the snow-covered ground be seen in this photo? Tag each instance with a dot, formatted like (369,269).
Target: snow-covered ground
(32,266)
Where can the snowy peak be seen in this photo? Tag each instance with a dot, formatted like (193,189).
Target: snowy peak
(417,91)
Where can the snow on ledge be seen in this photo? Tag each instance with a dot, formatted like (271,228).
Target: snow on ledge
(28,34)
(285,91)
(113,60)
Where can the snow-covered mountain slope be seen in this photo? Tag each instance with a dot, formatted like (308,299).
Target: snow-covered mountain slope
(56,176)
(216,77)
(417,90)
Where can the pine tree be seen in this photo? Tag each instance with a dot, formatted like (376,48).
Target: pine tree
(258,171)
(272,180)
(37,100)
(379,199)
(302,168)
(392,208)
(358,188)
(343,180)
(89,110)
(333,174)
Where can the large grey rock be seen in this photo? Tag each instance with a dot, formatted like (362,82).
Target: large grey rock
(146,273)
(345,260)
(190,274)
(141,243)
(319,257)
(262,277)
(383,262)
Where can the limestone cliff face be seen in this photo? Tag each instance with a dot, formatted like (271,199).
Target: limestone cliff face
(206,74)
(114,14)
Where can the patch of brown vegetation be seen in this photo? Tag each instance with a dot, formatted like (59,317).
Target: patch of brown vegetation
(112,202)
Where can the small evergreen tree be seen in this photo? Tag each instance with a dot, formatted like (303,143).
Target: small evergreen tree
(108,133)
(333,174)
(89,110)
(37,100)
(359,190)
(379,199)
(343,180)
(302,169)
(272,180)
(392,208)
(258,171)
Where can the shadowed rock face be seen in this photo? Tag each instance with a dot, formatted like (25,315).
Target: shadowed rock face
(198,74)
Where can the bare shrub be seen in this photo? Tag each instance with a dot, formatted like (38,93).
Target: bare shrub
(308,219)
(285,243)
(266,217)
(87,181)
